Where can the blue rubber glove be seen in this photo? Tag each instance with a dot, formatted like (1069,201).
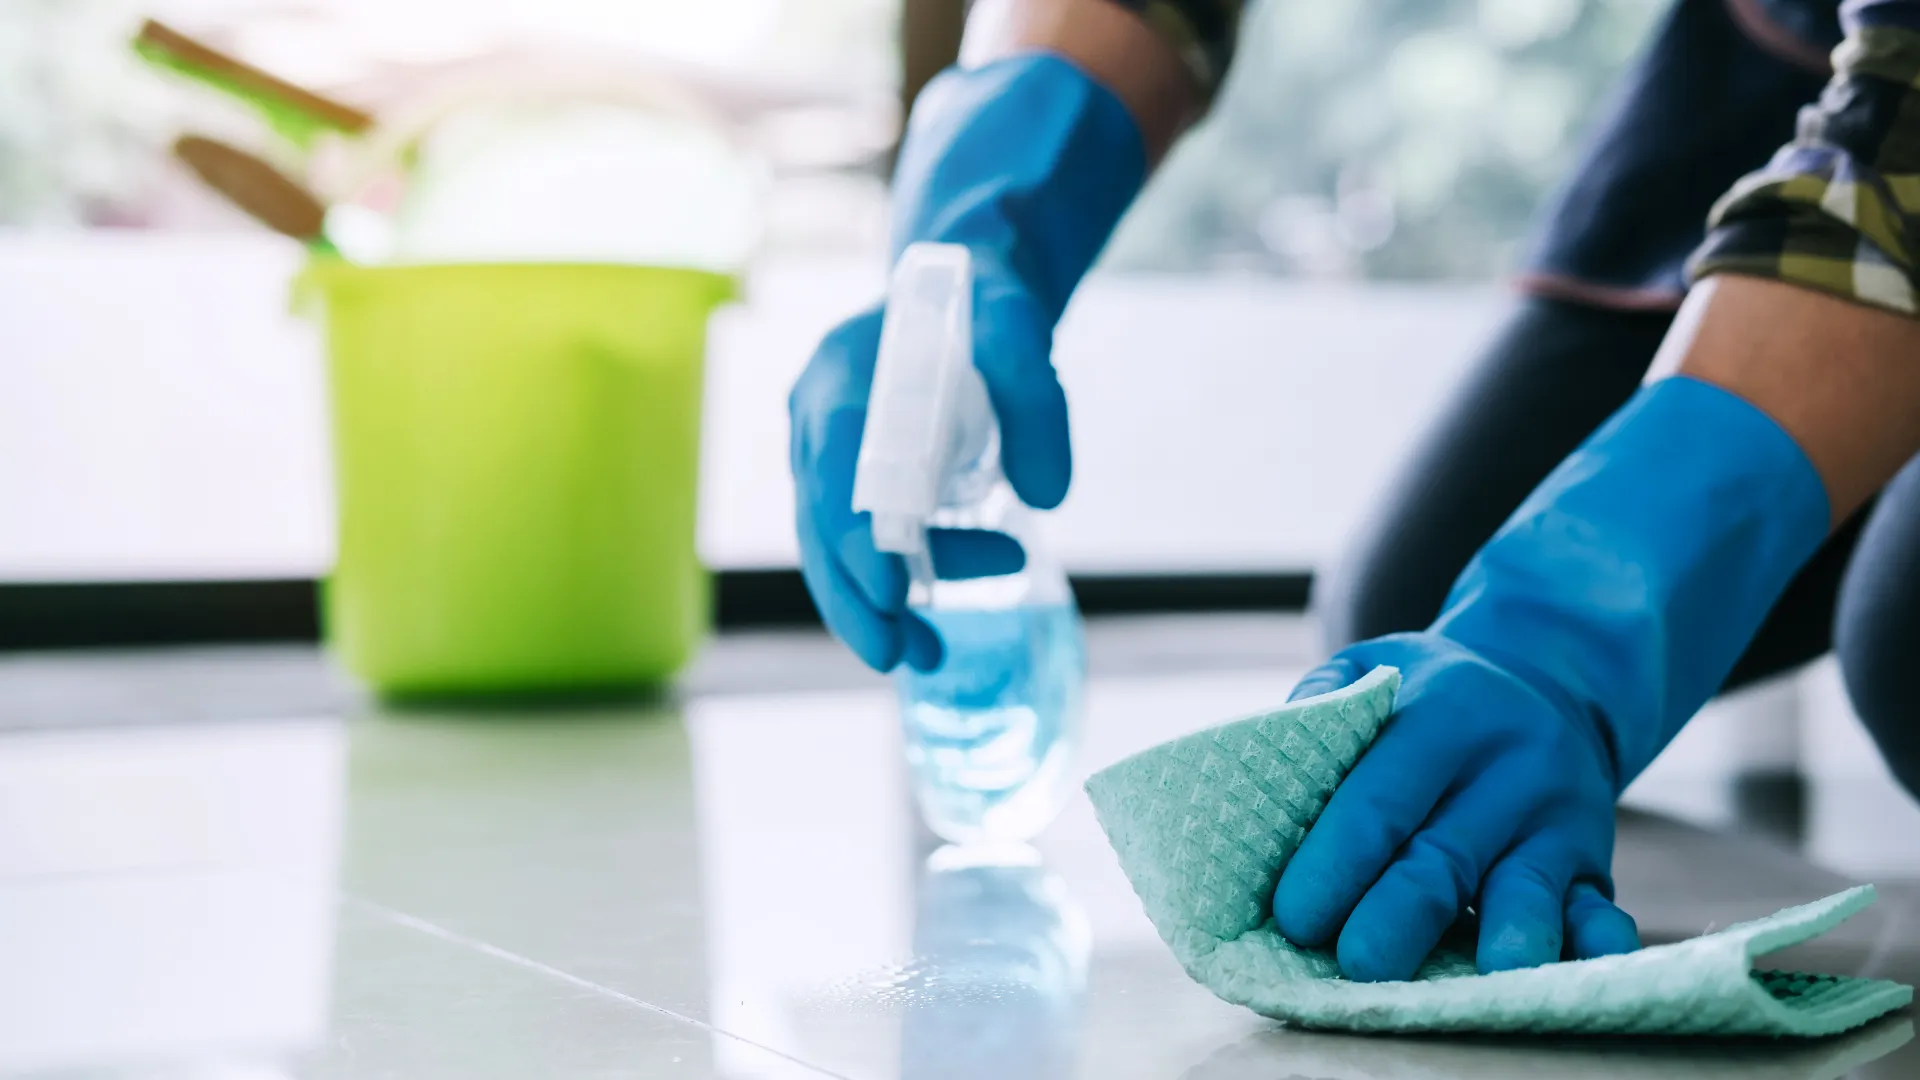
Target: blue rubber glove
(1029,163)
(1607,610)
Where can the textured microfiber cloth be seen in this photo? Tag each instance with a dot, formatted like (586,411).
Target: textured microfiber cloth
(1203,825)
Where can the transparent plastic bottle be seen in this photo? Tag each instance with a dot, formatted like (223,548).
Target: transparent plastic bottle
(990,734)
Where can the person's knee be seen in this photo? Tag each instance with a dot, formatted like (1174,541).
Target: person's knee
(1877,664)
(1876,628)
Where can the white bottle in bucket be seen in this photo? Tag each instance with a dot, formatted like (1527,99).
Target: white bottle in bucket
(990,734)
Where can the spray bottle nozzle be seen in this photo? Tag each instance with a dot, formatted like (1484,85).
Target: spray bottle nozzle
(927,407)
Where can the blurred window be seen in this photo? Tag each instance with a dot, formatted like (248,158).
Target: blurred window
(84,126)
(1358,139)
(1384,139)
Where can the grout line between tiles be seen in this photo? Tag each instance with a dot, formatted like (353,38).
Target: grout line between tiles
(412,922)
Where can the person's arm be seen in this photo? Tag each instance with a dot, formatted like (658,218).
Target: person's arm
(1840,377)
(1809,279)
(1027,153)
(1164,70)
(1616,599)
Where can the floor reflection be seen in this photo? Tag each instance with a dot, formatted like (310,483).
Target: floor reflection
(999,970)
(805,850)
(167,895)
(1314,1056)
(733,886)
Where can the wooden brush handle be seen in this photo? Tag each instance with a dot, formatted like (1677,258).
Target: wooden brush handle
(263,191)
(334,113)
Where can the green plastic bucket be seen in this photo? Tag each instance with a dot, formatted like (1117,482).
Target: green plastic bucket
(516,452)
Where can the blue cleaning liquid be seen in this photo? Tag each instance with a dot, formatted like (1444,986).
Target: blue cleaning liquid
(989,735)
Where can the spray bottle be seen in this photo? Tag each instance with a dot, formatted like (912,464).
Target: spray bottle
(991,732)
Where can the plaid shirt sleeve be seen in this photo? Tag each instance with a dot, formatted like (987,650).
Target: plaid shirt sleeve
(1201,31)
(1838,208)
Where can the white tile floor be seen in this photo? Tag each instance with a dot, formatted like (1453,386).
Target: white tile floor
(728,885)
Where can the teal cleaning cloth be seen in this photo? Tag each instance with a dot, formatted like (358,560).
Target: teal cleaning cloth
(1203,825)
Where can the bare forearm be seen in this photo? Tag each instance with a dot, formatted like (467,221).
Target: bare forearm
(1843,379)
(1111,44)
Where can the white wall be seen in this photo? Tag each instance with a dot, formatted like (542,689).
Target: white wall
(161,412)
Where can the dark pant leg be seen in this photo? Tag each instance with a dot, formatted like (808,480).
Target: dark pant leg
(1552,375)
(1799,629)
(1877,626)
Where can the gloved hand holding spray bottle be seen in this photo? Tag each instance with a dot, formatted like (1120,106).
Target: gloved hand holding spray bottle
(990,732)
(1016,171)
